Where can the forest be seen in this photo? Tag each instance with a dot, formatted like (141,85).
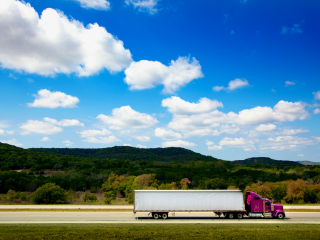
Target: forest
(117,171)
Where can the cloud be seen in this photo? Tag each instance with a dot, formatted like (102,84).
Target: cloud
(126,117)
(147,74)
(293,131)
(95,4)
(316,111)
(317,138)
(105,140)
(233,85)
(10,132)
(300,155)
(144,5)
(45,139)
(141,146)
(48,126)
(48,99)
(40,127)
(64,122)
(142,138)
(12,142)
(288,83)
(54,44)
(266,127)
(229,129)
(201,132)
(212,146)
(178,143)
(283,111)
(316,95)
(127,145)
(179,106)
(295,29)
(68,143)
(165,134)
(2,132)
(247,145)
(94,133)
(215,148)
(285,143)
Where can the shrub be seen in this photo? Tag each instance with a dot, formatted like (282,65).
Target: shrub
(49,193)
(23,196)
(92,197)
(109,196)
(17,200)
(11,195)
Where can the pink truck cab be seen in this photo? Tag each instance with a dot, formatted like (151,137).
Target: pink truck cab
(256,206)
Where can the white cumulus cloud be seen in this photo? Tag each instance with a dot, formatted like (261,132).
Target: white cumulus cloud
(141,146)
(95,4)
(247,145)
(12,142)
(144,5)
(94,133)
(166,134)
(285,143)
(178,143)
(45,139)
(147,74)
(316,111)
(2,132)
(52,44)
(126,117)
(40,127)
(266,127)
(47,99)
(64,122)
(179,106)
(68,143)
(48,126)
(233,85)
(316,95)
(293,131)
(142,138)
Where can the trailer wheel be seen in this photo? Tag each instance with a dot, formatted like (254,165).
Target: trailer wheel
(239,216)
(230,215)
(280,216)
(155,215)
(164,215)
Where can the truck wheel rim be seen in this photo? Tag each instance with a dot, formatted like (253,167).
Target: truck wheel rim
(230,215)
(156,216)
(280,215)
(239,215)
(164,216)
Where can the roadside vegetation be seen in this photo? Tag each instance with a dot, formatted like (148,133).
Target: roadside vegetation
(159,231)
(91,176)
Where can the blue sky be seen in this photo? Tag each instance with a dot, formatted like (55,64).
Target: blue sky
(231,79)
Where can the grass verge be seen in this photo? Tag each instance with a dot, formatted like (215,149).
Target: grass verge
(159,231)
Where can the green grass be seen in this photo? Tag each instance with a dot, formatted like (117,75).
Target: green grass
(159,231)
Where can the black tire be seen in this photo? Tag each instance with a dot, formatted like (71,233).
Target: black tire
(280,216)
(155,215)
(230,215)
(239,215)
(164,215)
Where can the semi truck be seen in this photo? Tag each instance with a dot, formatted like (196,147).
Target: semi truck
(228,203)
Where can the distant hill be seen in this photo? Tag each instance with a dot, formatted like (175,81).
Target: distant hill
(265,161)
(308,163)
(5,145)
(131,153)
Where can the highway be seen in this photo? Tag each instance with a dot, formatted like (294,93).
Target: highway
(128,217)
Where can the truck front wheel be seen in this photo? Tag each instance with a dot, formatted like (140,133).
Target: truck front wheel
(280,216)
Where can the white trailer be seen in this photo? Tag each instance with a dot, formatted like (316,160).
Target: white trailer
(161,202)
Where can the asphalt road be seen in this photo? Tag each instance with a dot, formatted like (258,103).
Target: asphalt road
(127,217)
